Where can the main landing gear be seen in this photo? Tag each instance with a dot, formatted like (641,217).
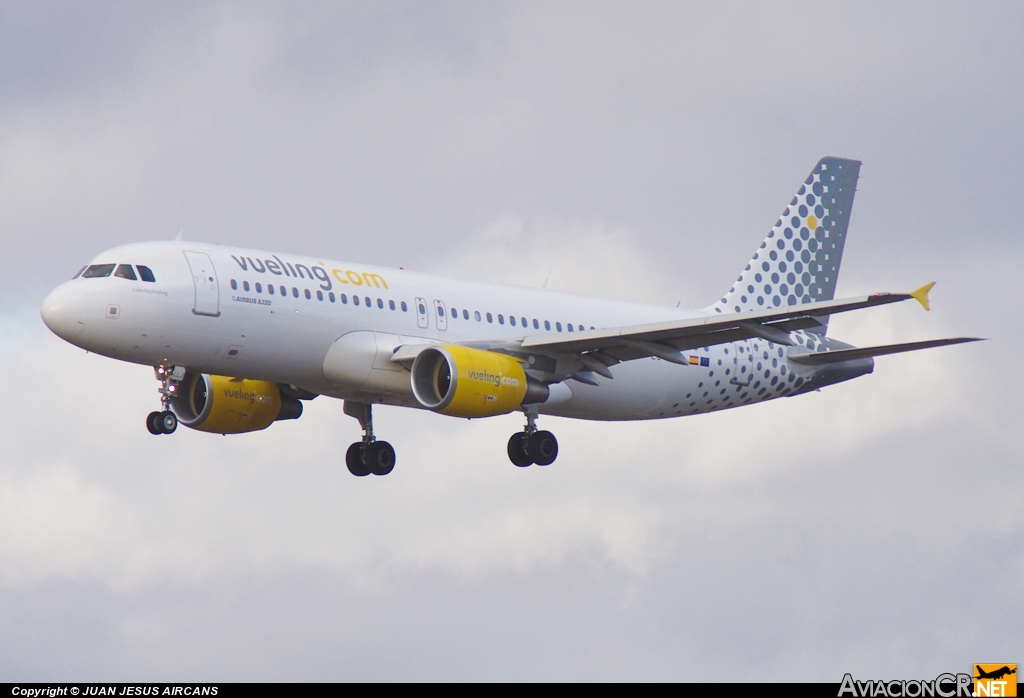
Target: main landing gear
(165,421)
(368,456)
(531,446)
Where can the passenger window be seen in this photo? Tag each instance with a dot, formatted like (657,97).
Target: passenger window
(295,292)
(355,300)
(455,313)
(369,303)
(331,296)
(270,289)
(97,271)
(440,311)
(476,314)
(524,321)
(568,326)
(380,304)
(558,326)
(245,285)
(536,326)
(581,328)
(319,295)
(259,288)
(405,308)
(489,318)
(78,274)
(145,273)
(391,304)
(125,271)
(284,291)
(512,320)
(344,299)
(234,285)
(547,325)
(501,319)
(465,314)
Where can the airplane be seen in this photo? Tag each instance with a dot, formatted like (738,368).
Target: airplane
(995,674)
(240,338)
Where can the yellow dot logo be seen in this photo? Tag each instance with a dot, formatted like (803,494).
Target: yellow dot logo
(812,222)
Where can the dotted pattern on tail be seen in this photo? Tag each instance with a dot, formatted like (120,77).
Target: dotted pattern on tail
(799,260)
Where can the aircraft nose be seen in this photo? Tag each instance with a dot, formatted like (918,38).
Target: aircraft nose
(65,309)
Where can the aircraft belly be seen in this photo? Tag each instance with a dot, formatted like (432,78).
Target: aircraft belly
(641,389)
(360,361)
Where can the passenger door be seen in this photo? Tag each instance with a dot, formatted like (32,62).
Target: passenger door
(204,276)
(743,363)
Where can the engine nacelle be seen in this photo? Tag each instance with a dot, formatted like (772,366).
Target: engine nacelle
(464,382)
(225,405)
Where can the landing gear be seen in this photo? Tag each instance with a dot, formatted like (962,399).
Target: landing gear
(165,421)
(517,450)
(530,445)
(162,422)
(354,460)
(369,456)
(543,447)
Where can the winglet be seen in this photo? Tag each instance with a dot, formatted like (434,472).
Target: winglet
(921,295)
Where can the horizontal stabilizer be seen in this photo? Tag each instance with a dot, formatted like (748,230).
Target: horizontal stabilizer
(840,355)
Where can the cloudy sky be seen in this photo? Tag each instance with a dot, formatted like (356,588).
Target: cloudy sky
(628,150)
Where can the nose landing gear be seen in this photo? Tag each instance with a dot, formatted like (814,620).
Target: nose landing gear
(165,421)
(369,456)
(530,445)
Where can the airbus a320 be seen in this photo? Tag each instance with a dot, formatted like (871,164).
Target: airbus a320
(240,338)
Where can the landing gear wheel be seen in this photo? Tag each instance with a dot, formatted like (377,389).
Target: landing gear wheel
(517,450)
(379,457)
(153,423)
(542,447)
(167,421)
(354,460)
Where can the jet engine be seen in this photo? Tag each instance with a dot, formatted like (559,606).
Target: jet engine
(225,405)
(464,382)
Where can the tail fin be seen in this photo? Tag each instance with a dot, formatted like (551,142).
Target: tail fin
(799,260)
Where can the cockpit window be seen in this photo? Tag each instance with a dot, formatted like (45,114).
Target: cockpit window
(79,272)
(125,271)
(98,270)
(145,273)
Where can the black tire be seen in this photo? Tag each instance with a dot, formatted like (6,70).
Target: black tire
(380,457)
(153,423)
(543,447)
(354,460)
(168,422)
(517,451)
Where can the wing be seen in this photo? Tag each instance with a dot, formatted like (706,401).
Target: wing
(581,354)
(667,340)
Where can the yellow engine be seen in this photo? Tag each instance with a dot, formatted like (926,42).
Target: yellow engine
(465,382)
(224,405)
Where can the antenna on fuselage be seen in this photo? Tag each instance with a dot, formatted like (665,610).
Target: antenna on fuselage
(545,284)
(177,238)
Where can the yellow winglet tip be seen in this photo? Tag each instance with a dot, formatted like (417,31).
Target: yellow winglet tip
(921,295)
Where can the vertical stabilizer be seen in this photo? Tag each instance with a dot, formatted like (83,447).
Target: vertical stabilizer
(799,260)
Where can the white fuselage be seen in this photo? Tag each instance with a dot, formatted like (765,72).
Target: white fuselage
(226,320)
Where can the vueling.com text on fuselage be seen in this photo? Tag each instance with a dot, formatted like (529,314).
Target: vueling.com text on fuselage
(315,272)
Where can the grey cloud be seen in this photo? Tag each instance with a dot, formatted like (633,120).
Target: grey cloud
(870,528)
